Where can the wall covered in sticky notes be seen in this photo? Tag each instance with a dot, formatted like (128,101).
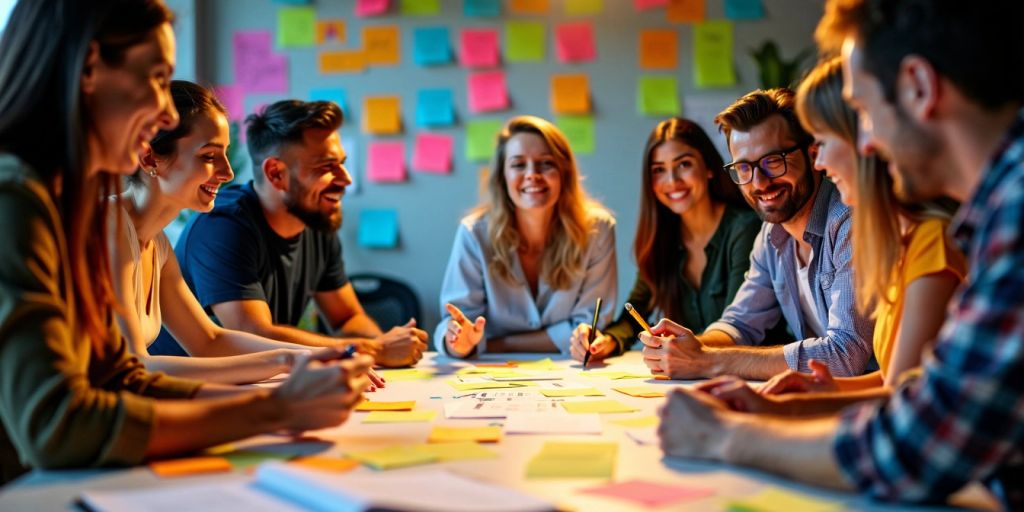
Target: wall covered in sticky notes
(426,84)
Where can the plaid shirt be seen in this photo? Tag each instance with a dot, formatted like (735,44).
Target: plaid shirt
(963,420)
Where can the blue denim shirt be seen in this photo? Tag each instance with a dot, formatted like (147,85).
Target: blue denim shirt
(770,290)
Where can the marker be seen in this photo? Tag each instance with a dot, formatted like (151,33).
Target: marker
(639,319)
(593,333)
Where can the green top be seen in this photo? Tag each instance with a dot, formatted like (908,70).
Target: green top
(62,404)
(728,258)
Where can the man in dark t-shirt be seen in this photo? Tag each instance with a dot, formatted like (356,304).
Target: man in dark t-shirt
(271,245)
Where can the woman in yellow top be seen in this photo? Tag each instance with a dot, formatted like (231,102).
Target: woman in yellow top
(905,266)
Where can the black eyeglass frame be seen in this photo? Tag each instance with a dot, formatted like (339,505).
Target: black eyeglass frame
(759,164)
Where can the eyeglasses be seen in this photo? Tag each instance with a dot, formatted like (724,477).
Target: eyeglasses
(772,165)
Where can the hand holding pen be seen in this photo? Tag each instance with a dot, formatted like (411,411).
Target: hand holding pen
(598,347)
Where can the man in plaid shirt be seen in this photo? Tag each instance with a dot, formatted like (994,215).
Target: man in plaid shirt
(939,86)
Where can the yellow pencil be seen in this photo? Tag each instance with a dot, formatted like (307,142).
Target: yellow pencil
(639,319)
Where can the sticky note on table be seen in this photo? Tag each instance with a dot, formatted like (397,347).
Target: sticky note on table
(482,8)
(650,494)
(570,94)
(528,6)
(433,153)
(405,374)
(378,229)
(233,99)
(638,422)
(331,31)
(385,161)
(538,364)
(471,385)
(659,49)
(296,27)
(615,374)
(456,451)
(399,416)
(558,393)
(744,9)
(245,459)
(685,11)
(481,137)
(598,406)
(582,7)
(368,405)
(643,5)
(642,391)
(574,42)
(712,54)
(393,457)
(478,48)
(487,91)
(342,61)
(442,434)
(257,68)
(190,466)
(657,96)
(580,132)
(381,115)
(774,499)
(524,41)
(372,7)
(327,464)
(574,460)
(421,7)
(335,94)
(381,45)
(431,46)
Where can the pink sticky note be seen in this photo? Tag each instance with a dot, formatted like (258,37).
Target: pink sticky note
(575,42)
(642,5)
(650,494)
(433,153)
(487,91)
(386,161)
(257,68)
(479,48)
(233,98)
(371,7)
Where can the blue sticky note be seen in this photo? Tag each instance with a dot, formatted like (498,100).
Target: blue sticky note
(378,229)
(330,94)
(435,107)
(483,8)
(744,9)
(293,2)
(431,46)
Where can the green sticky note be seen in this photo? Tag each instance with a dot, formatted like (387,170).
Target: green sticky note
(712,54)
(296,27)
(597,406)
(524,41)
(777,500)
(580,132)
(574,460)
(657,96)
(244,459)
(393,457)
(481,137)
(579,7)
(457,451)
(421,7)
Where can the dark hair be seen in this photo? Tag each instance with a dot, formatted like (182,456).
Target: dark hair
(756,107)
(191,100)
(976,45)
(43,122)
(284,122)
(658,232)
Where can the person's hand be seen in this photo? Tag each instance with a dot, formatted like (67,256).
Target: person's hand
(694,424)
(602,347)
(671,349)
(737,395)
(820,380)
(320,394)
(402,346)
(461,335)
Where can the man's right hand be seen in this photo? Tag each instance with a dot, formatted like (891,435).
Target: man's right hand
(402,346)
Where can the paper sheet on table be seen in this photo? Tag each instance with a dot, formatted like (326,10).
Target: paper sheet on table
(643,391)
(650,494)
(478,48)
(257,68)
(457,451)
(367,405)
(487,91)
(378,229)
(744,9)
(712,54)
(513,376)
(477,409)
(342,61)
(598,406)
(570,94)
(381,45)
(617,374)
(421,7)
(433,153)
(335,94)
(638,422)
(435,107)
(528,6)
(385,162)
(644,436)
(552,423)
(190,466)
(774,499)
(372,7)
(195,497)
(579,129)
(573,460)
(393,457)
(659,49)
(331,31)
(506,395)
(574,42)
(571,392)
(470,384)
(331,464)
(381,115)
(657,96)
(482,8)
(481,137)
(446,434)
(405,374)
(583,7)
(685,11)
(296,27)
(524,41)
(399,416)
(431,46)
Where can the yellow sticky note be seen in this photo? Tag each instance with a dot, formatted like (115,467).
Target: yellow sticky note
(473,386)
(190,466)
(394,457)
(685,11)
(342,61)
(221,448)
(399,416)
(574,460)
(330,31)
(553,393)
(614,375)
(581,7)
(367,405)
(457,451)
(381,45)
(598,406)
(642,391)
(381,117)
(442,434)
(540,364)
(326,464)
(405,374)
(570,94)
(659,49)
(777,500)
(528,6)
(486,370)
(638,422)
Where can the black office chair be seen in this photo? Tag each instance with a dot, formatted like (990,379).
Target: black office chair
(388,301)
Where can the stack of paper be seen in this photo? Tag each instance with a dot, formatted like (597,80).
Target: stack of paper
(574,460)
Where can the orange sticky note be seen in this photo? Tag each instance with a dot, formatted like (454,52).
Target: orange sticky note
(327,464)
(381,115)
(344,61)
(330,31)
(570,94)
(685,11)
(367,405)
(659,49)
(190,466)
(380,45)
(528,6)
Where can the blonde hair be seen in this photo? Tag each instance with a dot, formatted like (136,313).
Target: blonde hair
(877,240)
(571,225)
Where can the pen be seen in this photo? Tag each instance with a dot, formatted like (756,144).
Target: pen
(639,319)
(593,332)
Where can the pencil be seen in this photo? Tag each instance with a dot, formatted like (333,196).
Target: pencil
(639,319)
(593,333)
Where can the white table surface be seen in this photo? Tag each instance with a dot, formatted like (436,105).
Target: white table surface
(57,490)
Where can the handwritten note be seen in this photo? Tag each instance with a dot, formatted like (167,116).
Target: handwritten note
(190,466)
(574,42)
(481,137)
(442,434)
(478,48)
(583,7)
(525,41)
(650,494)
(381,115)
(657,96)
(372,7)
(342,61)
(487,91)
(378,229)
(233,99)
(685,11)
(431,46)
(528,6)
(712,54)
(257,68)
(574,460)
(744,9)
(421,7)
(381,45)
(482,8)
(386,161)
(433,153)
(659,49)
(435,107)
(399,416)
(331,31)
(570,94)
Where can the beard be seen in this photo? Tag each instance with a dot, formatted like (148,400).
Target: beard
(913,163)
(797,197)
(314,218)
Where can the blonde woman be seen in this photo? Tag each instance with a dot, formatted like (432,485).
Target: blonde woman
(530,262)
(905,266)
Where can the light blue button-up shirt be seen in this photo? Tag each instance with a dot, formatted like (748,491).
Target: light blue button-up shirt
(509,307)
(770,290)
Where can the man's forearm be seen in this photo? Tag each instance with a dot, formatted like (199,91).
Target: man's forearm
(361,326)
(812,404)
(300,336)
(760,363)
(800,449)
(716,338)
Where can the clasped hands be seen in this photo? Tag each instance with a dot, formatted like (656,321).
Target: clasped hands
(672,350)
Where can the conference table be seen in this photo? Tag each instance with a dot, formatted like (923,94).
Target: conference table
(431,388)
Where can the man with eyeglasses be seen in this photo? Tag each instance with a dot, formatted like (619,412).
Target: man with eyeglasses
(800,267)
